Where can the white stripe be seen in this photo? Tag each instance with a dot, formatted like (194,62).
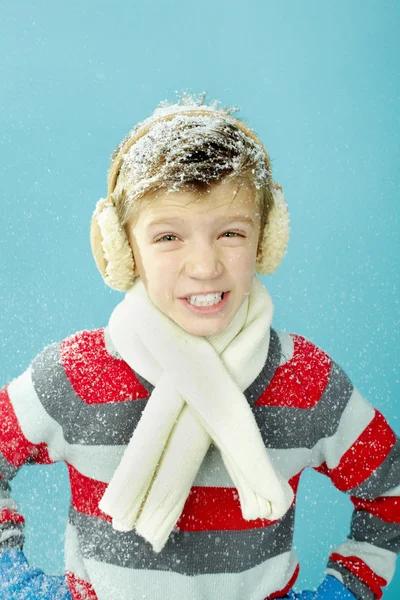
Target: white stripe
(212,471)
(380,561)
(97,462)
(357,415)
(100,462)
(288,462)
(335,573)
(9,533)
(8,503)
(119,583)
(36,424)
(287,346)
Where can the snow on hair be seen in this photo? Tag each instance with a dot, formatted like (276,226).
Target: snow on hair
(189,152)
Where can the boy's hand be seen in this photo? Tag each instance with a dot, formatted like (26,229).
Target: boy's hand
(18,581)
(330,589)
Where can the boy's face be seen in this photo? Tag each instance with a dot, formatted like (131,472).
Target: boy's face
(197,255)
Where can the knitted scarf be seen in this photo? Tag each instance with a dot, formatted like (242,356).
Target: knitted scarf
(197,399)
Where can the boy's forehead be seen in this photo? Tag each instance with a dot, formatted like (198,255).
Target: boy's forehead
(229,200)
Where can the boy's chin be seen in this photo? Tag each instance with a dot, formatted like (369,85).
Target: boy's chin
(203,329)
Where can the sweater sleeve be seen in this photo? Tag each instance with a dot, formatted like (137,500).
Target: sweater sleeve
(359,451)
(28,434)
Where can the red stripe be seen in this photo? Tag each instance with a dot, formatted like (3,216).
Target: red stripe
(364,456)
(79,588)
(359,568)
(214,509)
(86,494)
(206,509)
(287,587)
(95,375)
(10,516)
(13,444)
(386,508)
(300,382)
(210,508)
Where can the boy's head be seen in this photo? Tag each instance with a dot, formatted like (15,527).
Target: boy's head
(193,162)
(184,246)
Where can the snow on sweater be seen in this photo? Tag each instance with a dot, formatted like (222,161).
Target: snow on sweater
(79,402)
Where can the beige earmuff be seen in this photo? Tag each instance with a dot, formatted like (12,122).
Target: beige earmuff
(109,242)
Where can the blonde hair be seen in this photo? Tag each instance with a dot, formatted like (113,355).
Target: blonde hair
(188,146)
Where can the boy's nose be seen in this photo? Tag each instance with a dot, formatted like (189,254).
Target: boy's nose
(203,261)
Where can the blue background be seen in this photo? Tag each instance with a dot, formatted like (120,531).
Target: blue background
(319,83)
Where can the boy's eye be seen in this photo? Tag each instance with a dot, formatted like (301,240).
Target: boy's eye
(162,238)
(170,235)
(234,233)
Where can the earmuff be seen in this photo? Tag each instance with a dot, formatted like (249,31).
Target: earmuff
(109,242)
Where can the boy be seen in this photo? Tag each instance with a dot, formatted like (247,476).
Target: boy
(186,422)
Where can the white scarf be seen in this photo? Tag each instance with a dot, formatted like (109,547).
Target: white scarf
(197,399)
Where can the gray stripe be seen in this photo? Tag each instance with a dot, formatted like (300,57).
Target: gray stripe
(188,553)
(107,424)
(7,470)
(9,525)
(284,427)
(287,427)
(4,486)
(334,399)
(15,541)
(263,379)
(384,478)
(366,527)
(352,582)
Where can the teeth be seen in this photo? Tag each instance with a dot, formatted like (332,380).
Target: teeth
(205,299)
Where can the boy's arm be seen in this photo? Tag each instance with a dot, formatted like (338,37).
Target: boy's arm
(360,453)
(27,435)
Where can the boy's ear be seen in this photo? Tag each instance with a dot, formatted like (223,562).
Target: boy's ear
(275,236)
(110,247)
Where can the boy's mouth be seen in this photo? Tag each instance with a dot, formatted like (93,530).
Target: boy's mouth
(208,309)
(202,294)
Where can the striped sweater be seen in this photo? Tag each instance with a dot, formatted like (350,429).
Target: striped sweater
(79,402)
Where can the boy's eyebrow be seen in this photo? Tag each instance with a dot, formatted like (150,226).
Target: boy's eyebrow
(230,218)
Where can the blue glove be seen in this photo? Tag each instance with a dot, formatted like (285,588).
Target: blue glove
(330,589)
(18,581)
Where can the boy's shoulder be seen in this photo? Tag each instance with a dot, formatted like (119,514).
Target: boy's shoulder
(301,371)
(87,346)
(297,349)
(88,361)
